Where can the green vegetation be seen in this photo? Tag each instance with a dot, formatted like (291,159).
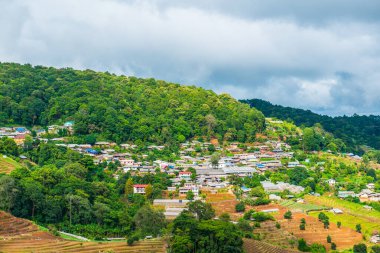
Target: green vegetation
(354,131)
(288,215)
(193,235)
(121,108)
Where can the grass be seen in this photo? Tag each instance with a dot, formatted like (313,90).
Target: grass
(70,238)
(353,214)
(7,164)
(299,206)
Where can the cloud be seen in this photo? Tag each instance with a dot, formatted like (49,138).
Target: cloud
(313,55)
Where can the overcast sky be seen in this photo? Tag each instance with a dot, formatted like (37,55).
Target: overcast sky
(321,55)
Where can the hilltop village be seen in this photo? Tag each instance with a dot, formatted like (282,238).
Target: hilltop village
(268,177)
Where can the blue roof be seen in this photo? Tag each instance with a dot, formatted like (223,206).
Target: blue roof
(92,151)
(20,129)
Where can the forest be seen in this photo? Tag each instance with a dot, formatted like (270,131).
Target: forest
(121,108)
(353,130)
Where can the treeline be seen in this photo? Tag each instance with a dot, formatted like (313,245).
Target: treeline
(354,130)
(121,108)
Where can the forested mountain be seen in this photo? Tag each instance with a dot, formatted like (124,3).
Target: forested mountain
(354,131)
(120,108)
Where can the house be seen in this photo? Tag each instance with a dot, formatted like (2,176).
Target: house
(331,182)
(375,239)
(274,197)
(139,188)
(371,186)
(345,194)
(336,211)
(185,175)
(293,164)
(269,186)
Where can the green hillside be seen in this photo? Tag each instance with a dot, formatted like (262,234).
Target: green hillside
(354,131)
(121,108)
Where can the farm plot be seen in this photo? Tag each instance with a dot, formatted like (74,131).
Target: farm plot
(302,207)
(353,213)
(253,246)
(315,232)
(56,245)
(7,165)
(20,235)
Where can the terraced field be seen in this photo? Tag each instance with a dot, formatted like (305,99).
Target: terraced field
(7,164)
(11,226)
(344,237)
(253,246)
(57,245)
(352,213)
(20,235)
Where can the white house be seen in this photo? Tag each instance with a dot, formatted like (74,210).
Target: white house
(139,188)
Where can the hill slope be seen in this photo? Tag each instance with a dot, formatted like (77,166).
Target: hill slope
(354,131)
(120,108)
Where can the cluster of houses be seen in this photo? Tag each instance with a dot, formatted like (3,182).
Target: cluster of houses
(366,195)
(18,134)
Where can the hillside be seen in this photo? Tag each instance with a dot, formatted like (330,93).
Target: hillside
(354,131)
(120,108)
(17,235)
(7,164)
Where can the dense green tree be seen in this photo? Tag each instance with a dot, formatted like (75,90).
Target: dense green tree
(8,192)
(146,217)
(202,210)
(360,248)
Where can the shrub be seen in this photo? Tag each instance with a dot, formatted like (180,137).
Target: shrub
(333,246)
(244,225)
(302,226)
(240,207)
(247,215)
(278,225)
(328,239)
(360,248)
(317,248)
(339,224)
(358,228)
(302,245)
(303,221)
(225,217)
(260,216)
(326,224)
(376,249)
(288,215)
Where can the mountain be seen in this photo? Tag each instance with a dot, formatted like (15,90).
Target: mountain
(120,108)
(354,130)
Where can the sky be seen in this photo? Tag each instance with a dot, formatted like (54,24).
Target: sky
(320,55)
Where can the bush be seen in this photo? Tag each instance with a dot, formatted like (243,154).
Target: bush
(260,216)
(244,225)
(302,226)
(339,224)
(333,246)
(303,221)
(278,225)
(376,249)
(288,215)
(248,215)
(302,245)
(358,228)
(225,217)
(360,248)
(317,248)
(130,241)
(328,239)
(240,207)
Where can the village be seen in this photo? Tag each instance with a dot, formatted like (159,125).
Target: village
(199,167)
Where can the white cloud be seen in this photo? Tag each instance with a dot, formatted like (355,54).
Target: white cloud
(263,55)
